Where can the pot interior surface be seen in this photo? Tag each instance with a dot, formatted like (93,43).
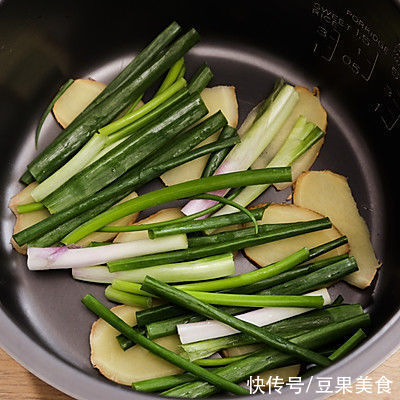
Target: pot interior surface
(326,45)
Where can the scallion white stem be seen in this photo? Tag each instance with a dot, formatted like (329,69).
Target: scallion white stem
(65,257)
(72,167)
(211,329)
(303,135)
(199,270)
(106,149)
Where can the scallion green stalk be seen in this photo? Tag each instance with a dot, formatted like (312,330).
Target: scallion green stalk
(182,72)
(30,207)
(218,362)
(348,346)
(200,79)
(187,218)
(157,100)
(134,104)
(172,76)
(62,90)
(342,351)
(200,225)
(27,178)
(163,383)
(254,300)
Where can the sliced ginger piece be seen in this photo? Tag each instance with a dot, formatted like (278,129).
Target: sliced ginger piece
(134,364)
(26,220)
(269,253)
(75,99)
(216,98)
(329,194)
(310,107)
(167,214)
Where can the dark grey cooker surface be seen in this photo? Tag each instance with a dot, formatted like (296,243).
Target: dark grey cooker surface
(350,50)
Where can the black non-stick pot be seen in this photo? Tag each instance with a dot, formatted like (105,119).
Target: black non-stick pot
(349,49)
